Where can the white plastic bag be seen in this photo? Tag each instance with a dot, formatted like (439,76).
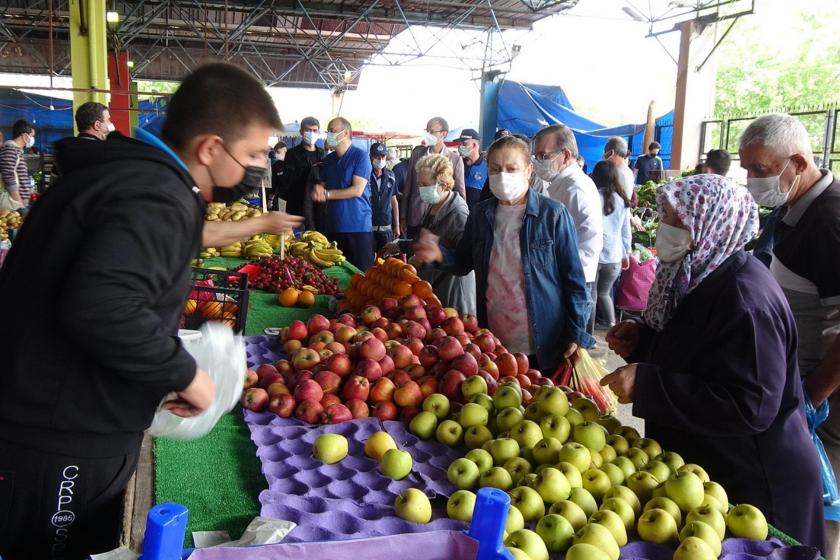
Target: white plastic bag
(222,355)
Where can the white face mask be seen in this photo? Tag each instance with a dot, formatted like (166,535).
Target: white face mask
(110,127)
(332,138)
(672,243)
(431,139)
(310,137)
(31,142)
(464,151)
(379,163)
(430,194)
(766,190)
(508,186)
(544,168)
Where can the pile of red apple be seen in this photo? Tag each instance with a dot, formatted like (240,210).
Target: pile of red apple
(381,363)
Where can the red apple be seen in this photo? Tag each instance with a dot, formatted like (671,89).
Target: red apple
(297,331)
(488,365)
(317,323)
(270,379)
(453,326)
(408,413)
(410,301)
(324,336)
(306,358)
(413,329)
(369,369)
(472,348)
(427,327)
(382,323)
(282,405)
(357,387)
(401,355)
(466,364)
(508,379)
(386,364)
(251,379)
(485,342)
(416,371)
(507,365)
(309,389)
(450,384)
(301,376)
(336,348)
(524,382)
(436,315)
(414,344)
(470,323)
(345,333)
(380,334)
(328,380)
(492,384)
(408,394)
(394,331)
(372,349)
(533,375)
(359,409)
(463,338)
(428,356)
(526,397)
(325,353)
(415,313)
(370,314)
(521,362)
(382,390)
(544,381)
(309,411)
(435,335)
(277,389)
(255,399)
(330,400)
(283,365)
(385,410)
(317,346)
(266,369)
(428,385)
(340,364)
(449,348)
(400,377)
(336,414)
(347,319)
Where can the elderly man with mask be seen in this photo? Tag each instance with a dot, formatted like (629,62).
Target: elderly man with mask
(802,245)
(555,153)
(616,152)
(412,208)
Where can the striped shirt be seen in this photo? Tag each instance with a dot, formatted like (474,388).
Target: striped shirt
(13,170)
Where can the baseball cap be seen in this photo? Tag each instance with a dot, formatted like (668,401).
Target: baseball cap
(378,150)
(468,134)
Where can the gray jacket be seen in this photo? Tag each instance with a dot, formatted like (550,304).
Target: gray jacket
(412,208)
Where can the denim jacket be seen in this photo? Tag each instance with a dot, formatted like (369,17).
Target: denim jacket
(555,289)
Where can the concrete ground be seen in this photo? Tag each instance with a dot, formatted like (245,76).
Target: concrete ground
(612,361)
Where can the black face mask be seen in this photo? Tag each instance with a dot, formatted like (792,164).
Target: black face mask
(251,181)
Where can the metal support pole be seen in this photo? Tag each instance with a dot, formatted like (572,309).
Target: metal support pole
(88,51)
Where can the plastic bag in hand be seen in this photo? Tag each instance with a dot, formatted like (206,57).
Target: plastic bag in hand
(222,356)
(586,378)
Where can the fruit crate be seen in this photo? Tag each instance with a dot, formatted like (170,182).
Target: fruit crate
(216,295)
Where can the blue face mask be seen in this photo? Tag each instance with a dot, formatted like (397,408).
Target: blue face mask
(430,194)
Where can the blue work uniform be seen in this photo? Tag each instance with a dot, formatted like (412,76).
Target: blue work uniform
(475,178)
(349,222)
(382,191)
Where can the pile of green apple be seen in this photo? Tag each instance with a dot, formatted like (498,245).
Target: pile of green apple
(580,481)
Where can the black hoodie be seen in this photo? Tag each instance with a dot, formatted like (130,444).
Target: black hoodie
(92,291)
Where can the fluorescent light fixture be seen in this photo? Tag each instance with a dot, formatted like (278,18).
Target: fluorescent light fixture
(112,17)
(348,75)
(130,64)
(633,13)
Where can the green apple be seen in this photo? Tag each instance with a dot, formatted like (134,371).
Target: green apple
(396,464)
(413,505)
(437,404)
(529,542)
(529,479)
(583,551)
(642,483)
(704,532)
(638,457)
(627,495)
(508,418)
(576,454)
(666,504)
(658,469)
(518,467)
(618,443)
(554,426)
(481,458)
(672,459)
(596,482)
(615,474)
(554,401)
(496,477)
(547,451)
(518,553)
(484,400)
(657,526)
(476,436)
(613,522)
(473,414)
(377,444)
(527,434)
(423,425)
(533,412)
(556,531)
(659,491)
(514,521)
(628,433)
(584,499)
(450,432)
(571,511)
(747,522)
(473,386)
(609,422)
(503,449)
(608,453)
(587,407)
(686,489)
(717,492)
(711,517)
(572,474)
(626,466)
(650,446)
(552,486)
(507,396)
(696,469)
(460,505)
(693,548)
(528,501)
(574,417)
(463,473)
(596,458)
(590,434)
(623,510)
(330,448)
(598,536)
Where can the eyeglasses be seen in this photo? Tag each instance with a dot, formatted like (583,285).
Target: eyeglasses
(434,131)
(547,155)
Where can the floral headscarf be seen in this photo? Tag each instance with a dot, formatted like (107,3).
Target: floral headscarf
(722,219)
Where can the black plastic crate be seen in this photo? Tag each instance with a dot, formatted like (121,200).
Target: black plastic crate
(217,295)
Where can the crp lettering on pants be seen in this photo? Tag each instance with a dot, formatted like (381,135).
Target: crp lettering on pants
(64,516)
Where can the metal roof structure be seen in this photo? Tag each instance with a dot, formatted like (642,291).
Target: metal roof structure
(295,43)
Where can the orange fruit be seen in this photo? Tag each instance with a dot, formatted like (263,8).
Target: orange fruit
(402,289)
(212,309)
(190,307)
(422,289)
(289,297)
(355,279)
(306,299)
(433,300)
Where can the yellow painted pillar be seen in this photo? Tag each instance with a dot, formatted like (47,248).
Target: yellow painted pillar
(134,104)
(88,51)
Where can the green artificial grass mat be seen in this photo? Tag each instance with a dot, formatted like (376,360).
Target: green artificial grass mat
(218,477)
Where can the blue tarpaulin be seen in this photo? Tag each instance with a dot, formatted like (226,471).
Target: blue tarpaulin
(526,108)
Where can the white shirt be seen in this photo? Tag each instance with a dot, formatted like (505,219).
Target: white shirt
(628,180)
(579,194)
(507,308)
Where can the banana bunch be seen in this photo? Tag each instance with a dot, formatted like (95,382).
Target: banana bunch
(257,247)
(218,212)
(208,253)
(232,250)
(317,249)
(9,220)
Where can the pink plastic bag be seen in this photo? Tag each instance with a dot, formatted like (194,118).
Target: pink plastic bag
(634,285)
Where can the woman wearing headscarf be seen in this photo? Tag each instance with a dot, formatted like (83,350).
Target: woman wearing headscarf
(712,364)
